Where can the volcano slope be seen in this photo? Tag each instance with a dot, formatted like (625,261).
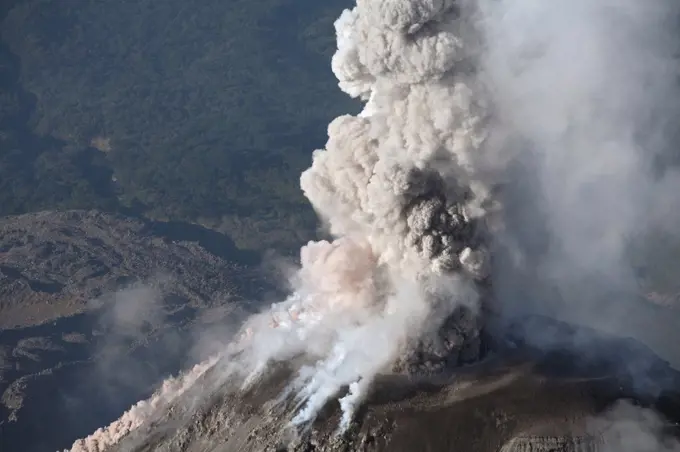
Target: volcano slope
(518,398)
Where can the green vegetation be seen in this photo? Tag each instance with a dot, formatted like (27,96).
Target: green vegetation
(203,111)
(38,172)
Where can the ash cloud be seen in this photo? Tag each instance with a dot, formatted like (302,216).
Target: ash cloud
(399,190)
(564,104)
(125,319)
(585,99)
(400,193)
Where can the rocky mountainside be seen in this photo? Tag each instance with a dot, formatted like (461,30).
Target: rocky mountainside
(53,264)
(96,309)
(518,399)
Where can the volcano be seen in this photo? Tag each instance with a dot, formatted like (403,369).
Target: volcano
(516,398)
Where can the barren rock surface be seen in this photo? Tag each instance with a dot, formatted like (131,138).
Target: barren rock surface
(53,264)
(519,400)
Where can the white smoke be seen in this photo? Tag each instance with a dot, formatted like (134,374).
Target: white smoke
(628,428)
(586,91)
(406,186)
(399,189)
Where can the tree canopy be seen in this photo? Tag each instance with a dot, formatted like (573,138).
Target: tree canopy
(200,111)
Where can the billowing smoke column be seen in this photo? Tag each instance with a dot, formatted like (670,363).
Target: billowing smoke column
(399,189)
(582,94)
(399,177)
(585,97)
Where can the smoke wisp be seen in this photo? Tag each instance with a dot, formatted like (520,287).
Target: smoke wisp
(629,428)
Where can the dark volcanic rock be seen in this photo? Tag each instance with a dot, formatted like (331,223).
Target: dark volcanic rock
(459,341)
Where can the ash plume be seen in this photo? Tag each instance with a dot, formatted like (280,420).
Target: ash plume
(457,96)
(398,188)
(585,99)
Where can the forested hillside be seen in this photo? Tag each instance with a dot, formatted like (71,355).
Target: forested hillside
(201,111)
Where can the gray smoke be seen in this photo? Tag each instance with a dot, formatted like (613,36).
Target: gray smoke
(400,192)
(458,95)
(585,99)
(628,428)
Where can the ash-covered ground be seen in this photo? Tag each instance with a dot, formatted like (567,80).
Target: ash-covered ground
(516,398)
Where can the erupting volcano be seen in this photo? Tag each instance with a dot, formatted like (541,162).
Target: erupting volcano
(411,194)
